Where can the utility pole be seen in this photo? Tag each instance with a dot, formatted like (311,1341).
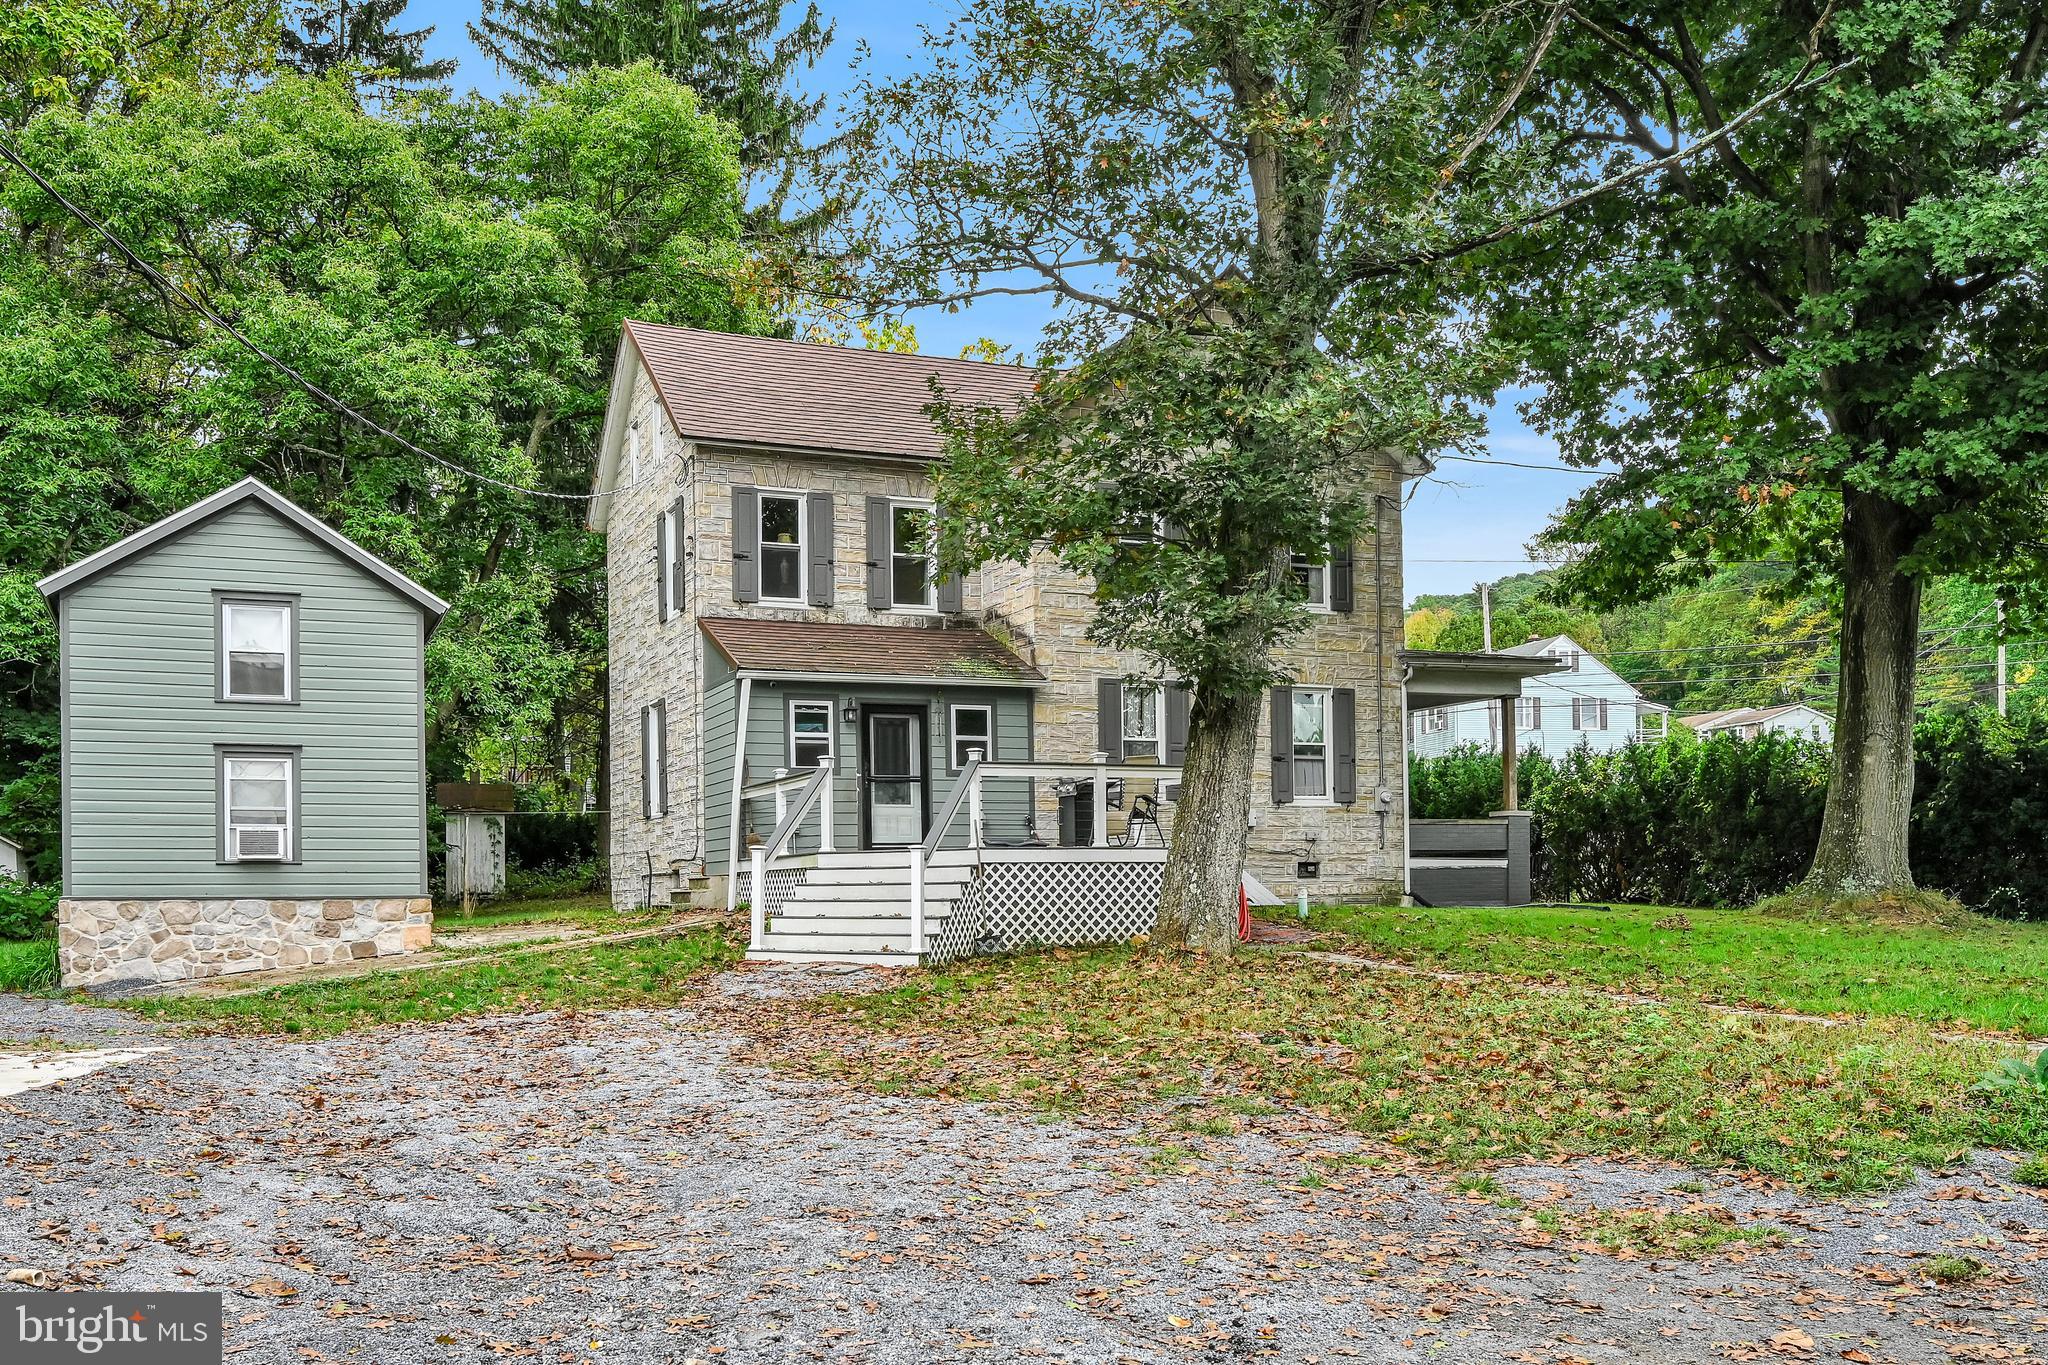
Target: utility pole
(1486,615)
(2001,655)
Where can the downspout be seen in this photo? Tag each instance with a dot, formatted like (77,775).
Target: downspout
(739,773)
(1379,665)
(1407,857)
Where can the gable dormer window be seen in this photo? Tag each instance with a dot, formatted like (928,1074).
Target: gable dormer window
(1568,657)
(782,548)
(256,649)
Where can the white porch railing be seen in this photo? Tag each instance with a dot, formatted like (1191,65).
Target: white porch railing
(968,791)
(796,795)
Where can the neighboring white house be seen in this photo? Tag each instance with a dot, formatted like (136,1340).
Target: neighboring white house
(10,858)
(1796,719)
(1584,704)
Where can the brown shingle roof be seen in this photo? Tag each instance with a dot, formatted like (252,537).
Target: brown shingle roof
(951,652)
(762,391)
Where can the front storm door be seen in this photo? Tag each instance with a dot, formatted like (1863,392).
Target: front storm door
(892,776)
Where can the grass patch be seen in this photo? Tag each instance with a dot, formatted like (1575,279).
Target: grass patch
(1985,974)
(1685,1234)
(651,971)
(1947,1269)
(1462,1074)
(28,964)
(582,911)
(2033,1171)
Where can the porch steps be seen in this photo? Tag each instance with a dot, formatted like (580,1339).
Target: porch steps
(855,907)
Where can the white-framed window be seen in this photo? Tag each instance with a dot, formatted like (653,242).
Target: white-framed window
(810,733)
(1431,720)
(1528,713)
(1311,743)
(1143,708)
(668,550)
(913,557)
(1589,713)
(782,547)
(258,801)
(1314,581)
(256,650)
(1570,657)
(1145,530)
(972,727)
(654,760)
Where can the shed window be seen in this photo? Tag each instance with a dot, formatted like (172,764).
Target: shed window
(782,547)
(258,807)
(810,733)
(1311,743)
(973,728)
(256,651)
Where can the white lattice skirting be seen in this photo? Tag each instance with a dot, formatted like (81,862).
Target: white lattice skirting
(1053,904)
(780,882)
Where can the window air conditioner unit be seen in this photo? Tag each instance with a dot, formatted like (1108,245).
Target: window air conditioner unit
(259,843)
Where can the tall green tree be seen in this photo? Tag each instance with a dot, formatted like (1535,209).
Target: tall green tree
(456,272)
(1233,207)
(738,55)
(1827,334)
(321,36)
(89,53)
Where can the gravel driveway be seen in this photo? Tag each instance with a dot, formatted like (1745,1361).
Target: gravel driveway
(618,1187)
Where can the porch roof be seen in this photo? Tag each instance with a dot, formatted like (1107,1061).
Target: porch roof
(957,655)
(1443,678)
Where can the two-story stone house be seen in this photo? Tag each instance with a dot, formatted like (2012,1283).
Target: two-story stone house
(774,602)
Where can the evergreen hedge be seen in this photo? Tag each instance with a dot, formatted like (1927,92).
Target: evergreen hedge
(1726,822)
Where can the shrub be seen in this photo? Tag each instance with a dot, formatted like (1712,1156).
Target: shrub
(26,910)
(548,883)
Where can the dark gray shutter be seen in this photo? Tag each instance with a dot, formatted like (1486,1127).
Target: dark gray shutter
(1109,717)
(746,544)
(818,507)
(1535,713)
(1171,530)
(675,550)
(1283,745)
(950,595)
(1343,745)
(661,535)
(1340,577)
(880,597)
(1176,726)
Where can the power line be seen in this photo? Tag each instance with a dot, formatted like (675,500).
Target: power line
(205,310)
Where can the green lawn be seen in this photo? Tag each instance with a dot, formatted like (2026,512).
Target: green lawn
(1987,975)
(591,911)
(645,972)
(29,965)
(1452,1072)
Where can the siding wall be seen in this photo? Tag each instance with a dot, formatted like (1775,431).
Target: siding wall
(141,721)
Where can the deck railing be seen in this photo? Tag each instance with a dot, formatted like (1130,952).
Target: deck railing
(967,792)
(796,796)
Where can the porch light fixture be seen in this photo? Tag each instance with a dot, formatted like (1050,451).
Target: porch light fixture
(849,710)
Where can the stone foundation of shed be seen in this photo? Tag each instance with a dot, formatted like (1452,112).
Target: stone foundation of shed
(112,943)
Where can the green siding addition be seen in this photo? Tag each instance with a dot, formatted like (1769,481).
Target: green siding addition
(142,721)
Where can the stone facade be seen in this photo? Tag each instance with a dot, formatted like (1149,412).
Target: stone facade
(139,942)
(1039,609)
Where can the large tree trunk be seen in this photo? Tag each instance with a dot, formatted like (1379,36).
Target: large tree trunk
(1870,795)
(1205,862)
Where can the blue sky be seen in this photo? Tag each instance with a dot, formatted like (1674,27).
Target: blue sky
(1469,523)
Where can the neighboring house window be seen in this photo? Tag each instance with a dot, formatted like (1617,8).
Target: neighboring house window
(1589,713)
(810,733)
(973,727)
(1141,721)
(912,568)
(782,547)
(654,761)
(1311,743)
(256,650)
(257,801)
(1529,713)
(1431,720)
(1570,658)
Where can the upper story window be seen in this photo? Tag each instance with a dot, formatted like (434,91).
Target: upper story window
(810,733)
(1314,582)
(782,547)
(913,556)
(1569,657)
(1311,743)
(256,638)
(1141,721)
